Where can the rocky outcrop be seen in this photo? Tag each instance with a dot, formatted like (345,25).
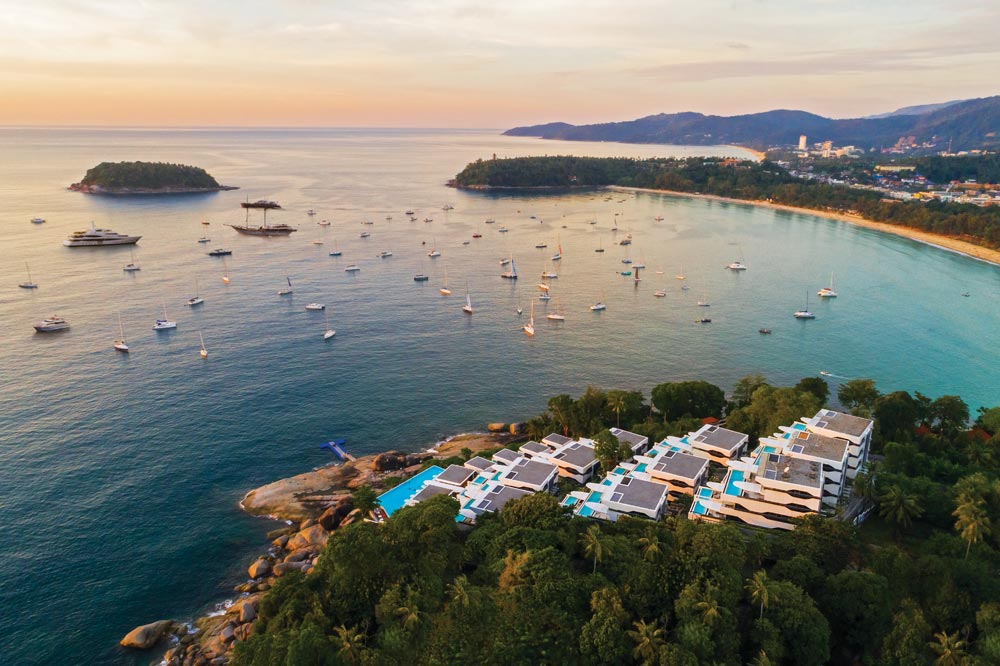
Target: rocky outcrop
(331,518)
(496,427)
(259,569)
(312,536)
(393,460)
(147,635)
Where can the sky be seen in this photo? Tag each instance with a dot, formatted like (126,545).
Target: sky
(471,63)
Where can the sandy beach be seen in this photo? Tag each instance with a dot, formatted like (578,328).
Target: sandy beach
(937,240)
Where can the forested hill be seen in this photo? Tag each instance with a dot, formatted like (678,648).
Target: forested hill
(967,125)
(146,178)
(748,180)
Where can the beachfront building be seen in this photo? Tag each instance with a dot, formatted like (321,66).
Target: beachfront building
(856,430)
(637,443)
(711,442)
(575,460)
(789,475)
(622,492)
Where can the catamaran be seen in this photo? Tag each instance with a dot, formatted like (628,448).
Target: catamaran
(286,292)
(121,344)
(804,313)
(29,284)
(165,323)
(828,292)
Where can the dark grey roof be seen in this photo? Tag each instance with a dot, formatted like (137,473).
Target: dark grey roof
(638,493)
(478,463)
(534,447)
(801,472)
(429,491)
(506,455)
(728,440)
(530,472)
(681,464)
(630,438)
(577,455)
(455,475)
(848,424)
(497,497)
(816,445)
(555,439)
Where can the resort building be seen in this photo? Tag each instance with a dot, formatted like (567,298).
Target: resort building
(575,460)
(532,475)
(622,492)
(856,430)
(713,443)
(637,443)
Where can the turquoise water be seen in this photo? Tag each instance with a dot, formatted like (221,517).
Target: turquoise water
(120,476)
(393,499)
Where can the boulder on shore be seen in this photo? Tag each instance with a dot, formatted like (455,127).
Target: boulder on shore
(393,460)
(259,569)
(314,536)
(330,519)
(496,427)
(147,635)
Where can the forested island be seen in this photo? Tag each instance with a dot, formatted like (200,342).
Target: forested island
(915,584)
(746,180)
(147,178)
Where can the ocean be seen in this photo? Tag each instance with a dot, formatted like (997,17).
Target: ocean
(120,475)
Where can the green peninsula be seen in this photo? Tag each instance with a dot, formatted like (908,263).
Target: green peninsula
(147,178)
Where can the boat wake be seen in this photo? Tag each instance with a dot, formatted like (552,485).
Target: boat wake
(830,374)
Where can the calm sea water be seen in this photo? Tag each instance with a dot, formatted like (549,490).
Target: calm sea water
(120,475)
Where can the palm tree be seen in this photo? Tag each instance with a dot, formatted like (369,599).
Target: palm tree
(950,650)
(899,507)
(650,547)
(648,641)
(761,659)
(459,591)
(561,408)
(758,587)
(410,615)
(593,544)
(352,643)
(709,606)
(617,400)
(972,522)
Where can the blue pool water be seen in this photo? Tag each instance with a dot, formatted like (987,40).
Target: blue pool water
(393,499)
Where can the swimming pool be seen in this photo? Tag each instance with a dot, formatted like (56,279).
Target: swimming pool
(393,499)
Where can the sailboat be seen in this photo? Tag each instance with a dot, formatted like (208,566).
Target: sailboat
(165,323)
(738,265)
(29,284)
(600,246)
(336,249)
(529,328)
(131,266)
(558,255)
(599,305)
(196,299)
(557,314)
(434,254)
(204,238)
(286,292)
(445,291)
(467,308)
(203,352)
(225,267)
(828,292)
(327,331)
(512,273)
(121,344)
(804,313)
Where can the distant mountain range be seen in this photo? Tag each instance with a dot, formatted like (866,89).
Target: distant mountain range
(967,124)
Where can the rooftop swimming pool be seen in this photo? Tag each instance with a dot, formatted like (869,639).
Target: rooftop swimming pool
(699,509)
(393,499)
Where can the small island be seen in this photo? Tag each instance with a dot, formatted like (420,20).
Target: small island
(123,178)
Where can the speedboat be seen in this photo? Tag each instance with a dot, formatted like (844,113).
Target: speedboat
(220,252)
(433,254)
(336,253)
(555,316)
(409,212)
(502,230)
(596,307)
(384,254)
(541,245)
(323,223)
(38,220)
(51,324)
(490,221)
(420,277)
(703,320)
(660,293)
(195,300)
(353,268)
(764,331)
(365,234)
(315,306)
(627,261)
(477,235)
(737,266)
(204,239)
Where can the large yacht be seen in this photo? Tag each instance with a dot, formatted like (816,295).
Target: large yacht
(53,323)
(263,229)
(95,236)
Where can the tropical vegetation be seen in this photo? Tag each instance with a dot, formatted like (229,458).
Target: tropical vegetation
(147,175)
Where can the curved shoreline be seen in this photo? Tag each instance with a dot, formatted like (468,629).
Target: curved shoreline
(948,243)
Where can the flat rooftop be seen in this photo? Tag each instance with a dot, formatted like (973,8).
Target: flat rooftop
(796,471)
(499,495)
(630,437)
(555,439)
(848,424)
(534,448)
(530,472)
(457,475)
(506,456)
(818,446)
(478,463)
(680,464)
(577,455)
(638,493)
(711,435)
(431,490)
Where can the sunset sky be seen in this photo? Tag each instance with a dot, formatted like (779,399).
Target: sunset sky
(464,63)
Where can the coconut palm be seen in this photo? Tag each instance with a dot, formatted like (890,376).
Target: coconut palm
(651,547)
(899,507)
(972,522)
(410,615)
(593,544)
(948,647)
(709,607)
(458,590)
(351,643)
(759,588)
(618,400)
(648,641)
